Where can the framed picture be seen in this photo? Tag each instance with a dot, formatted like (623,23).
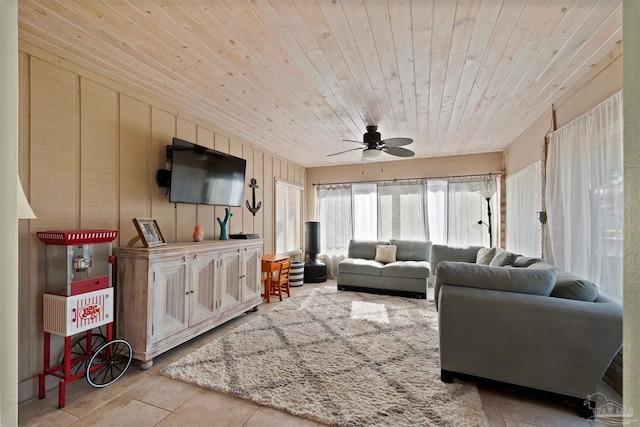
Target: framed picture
(149,232)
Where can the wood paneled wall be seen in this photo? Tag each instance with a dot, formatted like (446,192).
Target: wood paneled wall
(89,152)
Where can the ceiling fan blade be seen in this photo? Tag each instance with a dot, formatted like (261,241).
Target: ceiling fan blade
(398,151)
(396,142)
(342,152)
(352,140)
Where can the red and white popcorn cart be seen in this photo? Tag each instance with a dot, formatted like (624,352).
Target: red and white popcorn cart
(79,298)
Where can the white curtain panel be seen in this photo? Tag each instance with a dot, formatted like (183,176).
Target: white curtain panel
(437,208)
(334,214)
(584,196)
(524,201)
(365,211)
(467,207)
(402,210)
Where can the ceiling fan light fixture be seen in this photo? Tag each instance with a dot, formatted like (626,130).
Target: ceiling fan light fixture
(371,154)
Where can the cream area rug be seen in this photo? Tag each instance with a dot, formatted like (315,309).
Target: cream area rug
(339,358)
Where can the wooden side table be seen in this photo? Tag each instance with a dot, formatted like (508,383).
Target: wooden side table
(270,264)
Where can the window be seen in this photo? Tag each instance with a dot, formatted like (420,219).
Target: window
(288,218)
(447,210)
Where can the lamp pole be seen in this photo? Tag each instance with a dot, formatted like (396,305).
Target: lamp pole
(489,221)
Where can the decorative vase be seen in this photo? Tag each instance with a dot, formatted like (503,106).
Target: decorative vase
(198,233)
(223,232)
(223,224)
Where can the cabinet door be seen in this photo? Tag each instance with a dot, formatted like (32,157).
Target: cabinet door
(202,298)
(251,273)
(169,305)
(229,280)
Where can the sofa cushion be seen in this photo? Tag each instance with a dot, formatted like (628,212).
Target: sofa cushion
(503,258)
(526,281)
(525,261)
(412,250)
(485,255)
(411,269)
(365,249)
(573,287)
(368,267)
(386,253)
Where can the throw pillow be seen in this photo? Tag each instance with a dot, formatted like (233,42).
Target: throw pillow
(503,258)
(573,287)
(526,261)
(542,264)
(386,253)
(485,255)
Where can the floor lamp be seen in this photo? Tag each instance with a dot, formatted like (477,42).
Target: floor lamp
(487,194)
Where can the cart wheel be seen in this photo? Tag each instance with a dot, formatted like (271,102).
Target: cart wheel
(79,349)
(109,363)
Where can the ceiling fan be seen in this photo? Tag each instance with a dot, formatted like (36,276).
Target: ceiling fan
(373,146)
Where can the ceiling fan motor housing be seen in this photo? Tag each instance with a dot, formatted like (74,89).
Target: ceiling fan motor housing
(372,137)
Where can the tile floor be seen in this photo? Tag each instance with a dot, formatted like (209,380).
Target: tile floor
(145,398)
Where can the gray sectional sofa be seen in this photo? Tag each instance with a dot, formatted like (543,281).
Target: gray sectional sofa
(371,267)
(522,321)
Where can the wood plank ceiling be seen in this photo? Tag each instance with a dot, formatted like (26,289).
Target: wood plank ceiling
(297,77)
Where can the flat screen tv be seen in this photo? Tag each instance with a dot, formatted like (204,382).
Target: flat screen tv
(200,175)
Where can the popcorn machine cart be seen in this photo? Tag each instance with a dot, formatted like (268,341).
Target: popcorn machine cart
(79,298)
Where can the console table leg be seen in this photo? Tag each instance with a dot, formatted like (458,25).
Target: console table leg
(146,365)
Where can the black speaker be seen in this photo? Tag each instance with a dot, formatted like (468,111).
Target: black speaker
(315,271)
(163,178)
(312,238)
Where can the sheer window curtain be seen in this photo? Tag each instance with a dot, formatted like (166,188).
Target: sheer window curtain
(437,210)
(365,211)
(402,210)
(466,207)
(334,211)
(584,197)
(524,200)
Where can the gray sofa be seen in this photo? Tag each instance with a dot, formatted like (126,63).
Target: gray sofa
(405,274)
(522,321)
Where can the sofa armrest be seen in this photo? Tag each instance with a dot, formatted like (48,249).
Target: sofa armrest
(441,253)
(559,345)
(521,280)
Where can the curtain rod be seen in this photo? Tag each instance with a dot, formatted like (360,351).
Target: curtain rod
(410,179)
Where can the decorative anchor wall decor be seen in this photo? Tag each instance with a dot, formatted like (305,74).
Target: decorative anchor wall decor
(253,209)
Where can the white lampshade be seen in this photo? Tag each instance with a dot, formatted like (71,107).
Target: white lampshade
(488,189)
(487,194)
(24,209)
(370,154)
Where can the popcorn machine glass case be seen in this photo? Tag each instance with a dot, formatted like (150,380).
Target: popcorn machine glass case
(77,261)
